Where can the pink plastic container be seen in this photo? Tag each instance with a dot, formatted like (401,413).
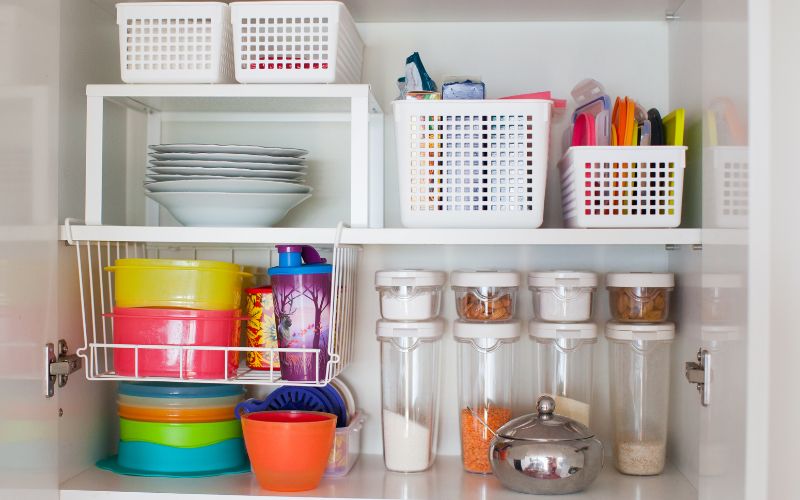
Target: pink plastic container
(175,327)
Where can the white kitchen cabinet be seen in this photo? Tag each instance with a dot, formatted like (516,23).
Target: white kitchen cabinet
(705,55)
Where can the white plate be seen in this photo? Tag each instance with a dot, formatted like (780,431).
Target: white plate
(228,209)
(228,157)
(227,164)
(228,172)
(228,148)
(226,186)
(175,177)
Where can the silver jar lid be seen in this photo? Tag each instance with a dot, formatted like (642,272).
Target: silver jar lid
(545,425)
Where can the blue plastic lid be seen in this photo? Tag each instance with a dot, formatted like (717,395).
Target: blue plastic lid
(182,390)
(299,259)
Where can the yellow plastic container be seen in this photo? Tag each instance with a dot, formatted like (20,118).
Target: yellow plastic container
(191,284)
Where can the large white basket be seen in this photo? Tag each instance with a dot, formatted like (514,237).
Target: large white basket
(295,42)
(727,204)
(472,164)
(175,42)
(622,186)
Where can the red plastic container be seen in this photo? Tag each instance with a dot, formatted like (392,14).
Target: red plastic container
(175,327)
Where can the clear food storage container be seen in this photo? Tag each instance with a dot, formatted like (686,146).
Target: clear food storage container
(485,295)
(485,386)
(639,297)
(564,354)
(346,447)
(639,360)
(410,361)
(410,294)
(562,296)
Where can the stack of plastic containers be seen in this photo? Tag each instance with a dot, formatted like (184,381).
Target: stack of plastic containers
(640,341)
(487,330)
(409,333)
(565,338)
(178,430)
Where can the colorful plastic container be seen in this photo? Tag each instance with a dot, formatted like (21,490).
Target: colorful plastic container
(175,415)
(261,331)
(223,457)
(191,284)
(179,391)
(180,435)
(301,294)
(175,327)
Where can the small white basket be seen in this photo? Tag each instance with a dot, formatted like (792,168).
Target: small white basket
(472,164)
(175,42)
(727,204)
(622,186)
(295,42)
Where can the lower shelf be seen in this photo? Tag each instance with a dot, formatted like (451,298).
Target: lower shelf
(369,480)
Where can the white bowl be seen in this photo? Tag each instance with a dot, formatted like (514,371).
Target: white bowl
(228,209)
(228,185)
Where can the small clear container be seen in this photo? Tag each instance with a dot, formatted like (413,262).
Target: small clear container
(346,447)
(485,386)
(562,296)
(410,294)
(485,296)
(639,361)
(410,361)
(564,353)
(639,297)
(722,295)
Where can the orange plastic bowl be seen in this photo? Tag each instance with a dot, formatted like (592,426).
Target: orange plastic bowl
(289,450)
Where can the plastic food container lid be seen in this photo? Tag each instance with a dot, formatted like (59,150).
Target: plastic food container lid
(409,277)
(562,278)
(421,329)
(479,278)
(183,390)
(173,264)
(633,331)
(654,280)
(558,331)
(496,330)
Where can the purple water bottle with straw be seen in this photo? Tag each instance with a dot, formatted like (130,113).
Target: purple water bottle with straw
(301,294)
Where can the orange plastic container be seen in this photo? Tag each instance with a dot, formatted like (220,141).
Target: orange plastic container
(175,415)
(303,440)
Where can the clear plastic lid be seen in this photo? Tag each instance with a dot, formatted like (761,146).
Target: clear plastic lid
(640,331)
(645,280)
(432,329)
(409,277)
(484,278)
(496,330)
(557,331)
(562,278)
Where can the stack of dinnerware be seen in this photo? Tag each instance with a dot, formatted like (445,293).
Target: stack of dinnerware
(227,185)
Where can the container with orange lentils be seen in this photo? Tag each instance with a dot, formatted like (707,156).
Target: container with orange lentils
(485,387)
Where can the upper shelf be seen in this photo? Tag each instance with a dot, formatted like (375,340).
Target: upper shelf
(390,236)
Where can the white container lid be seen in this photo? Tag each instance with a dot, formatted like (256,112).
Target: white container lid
(638,331)
(432,329)
(489,277)
(557,331)
(496,330)
(409,277)
(646,280)
(562,278)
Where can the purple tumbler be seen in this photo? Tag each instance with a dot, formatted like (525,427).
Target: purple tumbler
(301,293)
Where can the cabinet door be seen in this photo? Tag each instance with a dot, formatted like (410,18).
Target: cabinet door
(29,70)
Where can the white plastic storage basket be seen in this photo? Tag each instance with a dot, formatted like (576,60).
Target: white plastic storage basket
(472,164)
(295,42)
(727,204)
(175,42)
(622,186)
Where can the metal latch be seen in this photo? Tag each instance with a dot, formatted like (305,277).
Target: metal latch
(59,367)
(699,373)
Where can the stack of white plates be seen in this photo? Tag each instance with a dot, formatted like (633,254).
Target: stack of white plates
(227,185)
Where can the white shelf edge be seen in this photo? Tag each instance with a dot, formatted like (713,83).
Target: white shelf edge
(388,236)
(369,480)
(228,90)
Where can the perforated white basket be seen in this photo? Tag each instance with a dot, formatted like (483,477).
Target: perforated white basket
(295,42)
(622,186)
(727,204)
(472,164)
(175,42)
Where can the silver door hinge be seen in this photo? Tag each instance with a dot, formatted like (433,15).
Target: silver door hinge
(699,373)
(59,366)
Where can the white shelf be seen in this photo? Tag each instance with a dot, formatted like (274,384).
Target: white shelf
(369,480)
(366,236)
